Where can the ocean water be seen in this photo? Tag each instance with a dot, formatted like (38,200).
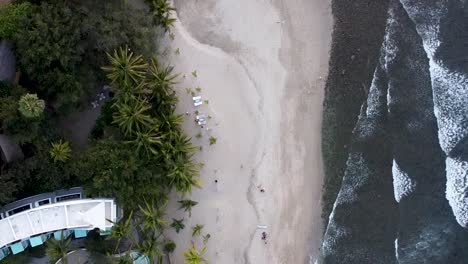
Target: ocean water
(404,195)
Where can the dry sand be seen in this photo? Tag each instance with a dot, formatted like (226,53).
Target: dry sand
(262,66)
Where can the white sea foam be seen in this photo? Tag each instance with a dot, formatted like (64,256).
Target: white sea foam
(390,48)
(396,248)
(457,189)
(402,183)
(431,12)
(356,175)
(450,105)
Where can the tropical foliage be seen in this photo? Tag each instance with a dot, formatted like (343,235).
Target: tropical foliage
(125,69)
(161,11)
(61,46)
(58,249)
(8,188)
(187,205)
(109,168)
(139,152)
(195,256)
(178,224)
(196,230)
(213,140)
(160,156)
(13,123)
(169,246)
(10,16)
(30,106)
(121,230)
(60,151)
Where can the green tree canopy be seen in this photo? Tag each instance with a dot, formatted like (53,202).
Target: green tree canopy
(30,106)
(49,48)
(10,16)
(109,168)
(7,188)
(14,124)
(61,46)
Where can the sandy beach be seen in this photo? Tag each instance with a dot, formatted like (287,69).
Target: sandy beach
(262,66)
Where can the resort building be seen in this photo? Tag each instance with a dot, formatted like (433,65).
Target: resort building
(33,220)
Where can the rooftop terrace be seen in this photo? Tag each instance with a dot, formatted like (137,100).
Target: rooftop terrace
(84,214)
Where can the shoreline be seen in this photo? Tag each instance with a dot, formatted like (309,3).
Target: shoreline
(264,81)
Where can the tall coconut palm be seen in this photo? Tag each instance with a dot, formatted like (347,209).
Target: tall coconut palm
(160,77)
(125,259)
(187,205)
(193,256)
(125,68)
(152,217)
(170,123)
(121,230)
(145,142)
(30,106)
(60,151)
(161,10)
(132,115)
(183,174)
(150,247)
(58,249)
(182,145)
(164,103)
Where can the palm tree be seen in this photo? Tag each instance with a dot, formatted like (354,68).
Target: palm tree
(58,249)
(152,217)
(196,230)
(131,115)
(121,230)
(60,151)
(125,259)
(178,224)
(213,140)
(169,246)
(187,205)
(164,103)
(161,78)
(177,148)
(206,238)
(183,173)
(150,248)
(182,145)
(193,256)
(31,106)
(171,122)
(145,141)
(125,69)
(161,10)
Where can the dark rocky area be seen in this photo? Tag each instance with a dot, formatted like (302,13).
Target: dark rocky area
(404,191)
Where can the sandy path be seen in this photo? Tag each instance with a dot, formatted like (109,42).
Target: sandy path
(262,80)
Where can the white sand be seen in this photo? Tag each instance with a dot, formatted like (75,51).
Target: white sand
(264,82)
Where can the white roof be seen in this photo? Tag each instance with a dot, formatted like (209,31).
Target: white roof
(83,214)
